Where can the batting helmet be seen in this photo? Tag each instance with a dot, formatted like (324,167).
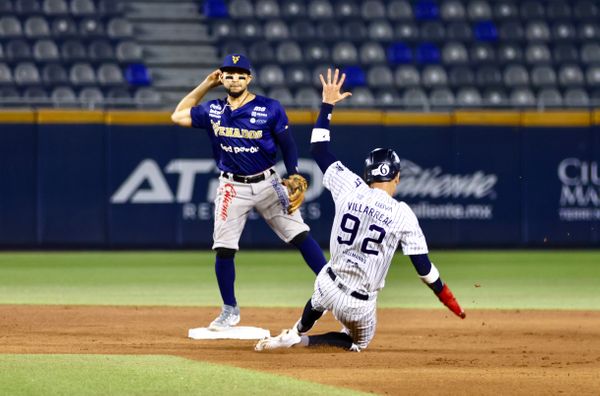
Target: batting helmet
(381,165)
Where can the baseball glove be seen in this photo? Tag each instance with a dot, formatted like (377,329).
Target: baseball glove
(296,186)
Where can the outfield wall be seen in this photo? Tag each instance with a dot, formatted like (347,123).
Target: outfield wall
(77,179)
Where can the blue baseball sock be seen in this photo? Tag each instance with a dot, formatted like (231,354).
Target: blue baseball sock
(225,270)
(312,253)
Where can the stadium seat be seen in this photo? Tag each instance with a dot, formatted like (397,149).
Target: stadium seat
(373,9)
(532,9)
(355,31)
(316,52)
(563,31)
(489,76)
(381,30)
(407,76)
(297,76)
(293,9)
(2,58)
(441,98)
(27,7)
(55,7)
(432,31)
(543,76)
(468,97)
(479,10)
(302,30)
(537,54)
(362,97)
(63,27)
(117,96)
(119,28)
(73,50)
(585,10)
(35,95)
(320,9)
(90,96)
(229,47)
(249,30)
(511,31)
(130,51)
(427,53)
(110,74)
(63,96)
(54,74)
(486,31)
(590,53)
(570,76)
(318,70)
(271,75)
(371,53)
(434,76)
(515,76)
(549,97)
(509,53)
(147,96)
(261,52)
(346,9)
(558,9)
(10,27)
(241,9)
(26,73)
(565,53)
(454,53)
(213,9)
(482,53)
(307,97)
(504,9)
(380,76)
(82,8)
(537,31)
(461,76)
(283,95)
(91,28)
(110,7)
(387,97)
(9,95)
(355,77)
(452,10)
(6,77)
(266,9)
(522,97)
(576,97)
(459,31)
(328,31)
(17,50)
(36,27)
(276,30)
(223,29)
(288,52)
(589,31)
(399,10)
(425,10)
(406,32)
(344,53)
(415,98)
(101,50)
(45,51)
(137,75)
(592,76)
(494,97)
(82,74)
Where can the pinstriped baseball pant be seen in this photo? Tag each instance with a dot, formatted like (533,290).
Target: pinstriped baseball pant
(358,316)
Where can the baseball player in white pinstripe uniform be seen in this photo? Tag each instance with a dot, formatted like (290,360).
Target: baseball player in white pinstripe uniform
(368,227)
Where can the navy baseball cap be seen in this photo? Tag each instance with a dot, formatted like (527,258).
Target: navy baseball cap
(236,61)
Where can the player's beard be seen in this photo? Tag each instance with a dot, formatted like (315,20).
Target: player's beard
(235,94)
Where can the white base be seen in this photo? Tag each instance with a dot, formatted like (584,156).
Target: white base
(236,333)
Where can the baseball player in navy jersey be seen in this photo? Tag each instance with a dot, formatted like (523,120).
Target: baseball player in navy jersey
(245,131)
(368,227)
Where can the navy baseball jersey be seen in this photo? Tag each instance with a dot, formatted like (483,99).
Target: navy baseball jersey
(244,140)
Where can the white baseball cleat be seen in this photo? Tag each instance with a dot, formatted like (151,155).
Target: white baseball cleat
(229,317)
(286,339)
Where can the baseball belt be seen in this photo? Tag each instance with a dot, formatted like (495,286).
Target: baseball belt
(345,288)
(248,179)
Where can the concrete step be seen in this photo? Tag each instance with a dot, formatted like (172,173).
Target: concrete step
(188,32)
(185,78)
(167,54)
(163,10)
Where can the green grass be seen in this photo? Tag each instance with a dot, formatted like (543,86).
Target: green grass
(479,279)
(115,375)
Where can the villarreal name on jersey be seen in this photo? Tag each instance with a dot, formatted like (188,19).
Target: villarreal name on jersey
(232,132)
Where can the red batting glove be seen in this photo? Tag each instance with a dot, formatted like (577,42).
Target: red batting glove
(447,298)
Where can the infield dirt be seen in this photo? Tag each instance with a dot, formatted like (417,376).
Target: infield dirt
(415,352)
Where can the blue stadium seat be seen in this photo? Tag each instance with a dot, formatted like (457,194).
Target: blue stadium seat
(427,53)
(425,10)
(138,75)
(399,53)
(486,31)
(215,9)
(355,77)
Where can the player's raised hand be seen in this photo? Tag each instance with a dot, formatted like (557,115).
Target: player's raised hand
(213,79)
(333,86)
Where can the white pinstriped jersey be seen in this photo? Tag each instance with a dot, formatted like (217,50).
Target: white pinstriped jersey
(367,229)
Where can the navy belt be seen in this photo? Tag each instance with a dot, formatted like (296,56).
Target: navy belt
(248,179)
(344,288)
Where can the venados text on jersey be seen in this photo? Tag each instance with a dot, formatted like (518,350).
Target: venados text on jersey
(237,150)
(369,211)
(235,132)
